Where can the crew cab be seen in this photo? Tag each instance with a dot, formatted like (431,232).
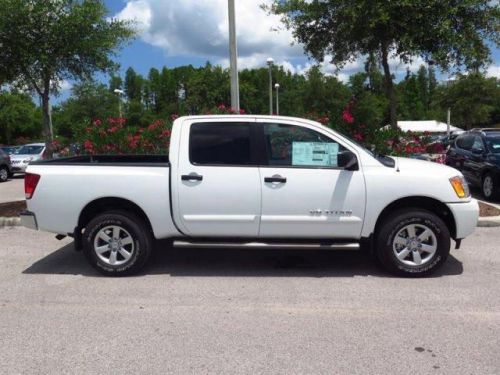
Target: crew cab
(254,182)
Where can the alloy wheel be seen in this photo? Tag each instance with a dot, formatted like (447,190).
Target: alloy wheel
(414,245)
(114,245)
(488,186)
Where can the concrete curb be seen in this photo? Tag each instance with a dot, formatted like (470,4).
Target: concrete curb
(10,222)
(489,222)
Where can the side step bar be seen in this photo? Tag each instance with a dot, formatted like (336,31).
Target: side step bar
(267,245)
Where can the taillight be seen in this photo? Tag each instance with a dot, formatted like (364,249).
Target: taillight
(30,182)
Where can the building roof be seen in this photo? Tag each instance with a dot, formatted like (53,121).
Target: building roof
(431,126)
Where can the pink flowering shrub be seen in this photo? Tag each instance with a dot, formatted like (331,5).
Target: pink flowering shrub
(384,141)
(114,137)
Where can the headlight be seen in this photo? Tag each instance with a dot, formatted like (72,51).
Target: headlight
(26,161)
(460,186)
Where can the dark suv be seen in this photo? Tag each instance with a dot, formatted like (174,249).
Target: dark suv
(477,155)
(5,167)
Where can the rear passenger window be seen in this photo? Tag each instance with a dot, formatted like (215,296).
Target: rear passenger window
(465,142)
(478,143)
(224,143)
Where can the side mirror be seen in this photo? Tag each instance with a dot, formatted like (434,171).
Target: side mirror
(348,161)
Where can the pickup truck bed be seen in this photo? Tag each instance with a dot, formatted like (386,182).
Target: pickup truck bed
(124,181)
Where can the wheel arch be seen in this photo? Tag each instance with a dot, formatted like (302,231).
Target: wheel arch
(98,206)
(420,202)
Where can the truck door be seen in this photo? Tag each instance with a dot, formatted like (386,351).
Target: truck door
(218,185)
(304,192)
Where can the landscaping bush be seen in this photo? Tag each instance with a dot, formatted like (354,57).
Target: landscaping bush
(113,136)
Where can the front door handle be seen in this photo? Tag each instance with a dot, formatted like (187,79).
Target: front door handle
(191,177)
(275,179)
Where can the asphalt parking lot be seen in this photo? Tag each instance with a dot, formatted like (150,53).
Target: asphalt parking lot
(12,190)
(231,311)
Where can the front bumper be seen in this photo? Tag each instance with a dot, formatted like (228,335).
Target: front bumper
(19,168)
(28,220)
(466,215)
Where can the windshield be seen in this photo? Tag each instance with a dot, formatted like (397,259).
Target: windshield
(29,150)
(493,144)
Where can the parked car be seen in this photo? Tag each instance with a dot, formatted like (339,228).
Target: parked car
(10,150)
(25,155)
(477,155)
(253,182)
(5,166)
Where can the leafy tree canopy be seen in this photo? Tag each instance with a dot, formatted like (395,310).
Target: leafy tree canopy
(448,32)
(45,42)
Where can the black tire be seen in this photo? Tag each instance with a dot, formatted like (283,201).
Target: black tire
(4,174)
(139,232)
(488,193)
(395,224)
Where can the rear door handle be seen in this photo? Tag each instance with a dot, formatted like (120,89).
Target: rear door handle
(275,179)
(191,177)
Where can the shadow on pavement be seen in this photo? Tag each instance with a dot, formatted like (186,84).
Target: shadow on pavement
(236,263)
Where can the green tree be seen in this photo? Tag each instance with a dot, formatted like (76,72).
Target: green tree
(45,42)
(133,85)
(448,32)
(472,98)
(89,101)
(17,116)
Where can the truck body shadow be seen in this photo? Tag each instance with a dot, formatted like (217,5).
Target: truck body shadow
(235,263)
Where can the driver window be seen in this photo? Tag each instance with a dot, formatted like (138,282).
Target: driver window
(478,143)
(295,146)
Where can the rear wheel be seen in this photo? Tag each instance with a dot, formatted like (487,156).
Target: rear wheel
(117,243)
(413,243)
(4,174)
(488,186)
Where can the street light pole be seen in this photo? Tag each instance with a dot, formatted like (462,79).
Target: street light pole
(277,87)
(270,62)
(448,123)
(120,93)
(233,57)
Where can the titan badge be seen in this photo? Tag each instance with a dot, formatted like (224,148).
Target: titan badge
(319,212)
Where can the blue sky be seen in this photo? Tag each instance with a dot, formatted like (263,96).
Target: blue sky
(180,32)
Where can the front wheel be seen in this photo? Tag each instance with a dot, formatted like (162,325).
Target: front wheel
(117,243)
(413,243)
(4,174)
(488,187)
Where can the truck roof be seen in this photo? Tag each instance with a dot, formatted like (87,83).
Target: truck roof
(260,117)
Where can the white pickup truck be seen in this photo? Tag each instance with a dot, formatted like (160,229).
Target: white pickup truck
(253,181)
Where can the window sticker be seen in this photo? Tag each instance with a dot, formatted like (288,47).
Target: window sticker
(322,154)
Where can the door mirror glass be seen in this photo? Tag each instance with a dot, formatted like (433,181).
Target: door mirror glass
(348,161)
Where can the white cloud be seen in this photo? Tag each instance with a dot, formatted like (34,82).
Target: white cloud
(65,86)
(200,28)
(493,71)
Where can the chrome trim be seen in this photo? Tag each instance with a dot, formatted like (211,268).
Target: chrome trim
(267,245)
